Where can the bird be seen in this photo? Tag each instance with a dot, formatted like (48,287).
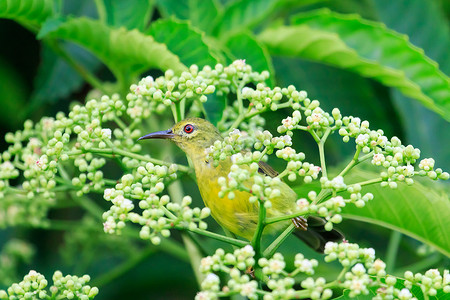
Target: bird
(239,215)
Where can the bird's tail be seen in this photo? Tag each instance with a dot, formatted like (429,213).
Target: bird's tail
(315,235)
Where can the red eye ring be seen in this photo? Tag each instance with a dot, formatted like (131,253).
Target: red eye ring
(188,128)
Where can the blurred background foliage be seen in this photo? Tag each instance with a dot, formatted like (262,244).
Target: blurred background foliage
(56,52)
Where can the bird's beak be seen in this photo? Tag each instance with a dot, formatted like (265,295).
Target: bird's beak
(165,134)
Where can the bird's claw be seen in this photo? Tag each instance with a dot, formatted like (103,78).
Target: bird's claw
(300,223)
(250,271)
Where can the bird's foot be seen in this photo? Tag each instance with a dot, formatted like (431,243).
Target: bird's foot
(300,223)
(250,271)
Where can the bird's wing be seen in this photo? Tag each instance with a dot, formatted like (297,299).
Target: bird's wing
(266,169)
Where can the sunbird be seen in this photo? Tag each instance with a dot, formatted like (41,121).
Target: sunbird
(239,215)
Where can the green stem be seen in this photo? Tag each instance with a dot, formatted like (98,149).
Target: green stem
(176,111)
(270,251)
(352,163)
(256,240)
(284,173)
(322,151)
(302,294)
(241,115)
(119,122)
(342,274)
(215,236)
(322,158)
(239,97)
(251,114)
(368,182)
(167,245)
(109,151)
(314,135)
(235,124)
(101,10)
(123,268)
(392,250)
(282,218)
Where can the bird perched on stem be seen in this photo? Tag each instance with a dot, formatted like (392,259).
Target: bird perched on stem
(239,215)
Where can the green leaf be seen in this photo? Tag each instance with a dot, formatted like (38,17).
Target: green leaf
(183,40)
(214,108)
(12,100)
(51,24)
(398,63)
(245,46)
(425,25)
(313,77)
(201,13)
(430,86)
(419,211)
(132,14)
(123,51)
(27,11)
(55,79)
(174,8)
(241,15)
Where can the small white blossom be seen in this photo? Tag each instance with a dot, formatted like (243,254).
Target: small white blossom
(106,133)
(288,123)
(404,294)
(302,204)
(378,159)
(427,164)
(362,139)
(248,289)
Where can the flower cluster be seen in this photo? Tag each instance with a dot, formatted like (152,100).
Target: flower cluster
(34,286)
(263,97)
(430,282)
(237,265)
(42,152)
(154,95)
(362,273)
(367,273)
(158,214)
(397,159)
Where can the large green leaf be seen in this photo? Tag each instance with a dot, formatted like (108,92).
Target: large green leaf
(417,76)
(420,76)
(428,29)
(201,13)
(245,46)
(123,51)
(27,11)
(422,212)
(243,14)
(56,79)
(183,40)
(133,14)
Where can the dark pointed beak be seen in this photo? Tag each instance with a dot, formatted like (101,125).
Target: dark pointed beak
(165,134)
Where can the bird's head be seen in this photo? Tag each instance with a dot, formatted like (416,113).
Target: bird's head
(192,135)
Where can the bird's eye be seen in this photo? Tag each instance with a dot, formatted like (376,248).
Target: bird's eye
(188,128)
